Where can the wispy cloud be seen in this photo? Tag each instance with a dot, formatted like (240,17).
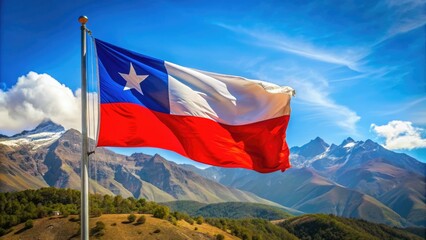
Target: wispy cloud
(313,92)
(400,135)
(402,107)
(347,57)
(407,15)
(358,46)
(371,74)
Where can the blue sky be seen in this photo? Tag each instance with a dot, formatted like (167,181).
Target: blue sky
(358,67)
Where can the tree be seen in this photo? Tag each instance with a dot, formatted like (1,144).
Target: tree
(199,220)
(98,230)
(131,217)
(161,212)
(95,212)
(141,220)
(29,224)
(100,225)
(220,237)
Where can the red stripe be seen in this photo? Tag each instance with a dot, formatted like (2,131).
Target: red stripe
(259,146)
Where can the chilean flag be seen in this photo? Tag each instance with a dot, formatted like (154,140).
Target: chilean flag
(216,119)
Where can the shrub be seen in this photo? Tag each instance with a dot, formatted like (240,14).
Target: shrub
(100,225)
(99,233)
(157,230)
(172,219)
(256,238)
(131,217)
(2,231)
(29,224)
(113,224)
(161,212)
(141,220)
(95,212)
(190,221)
(98,230)
(220,237)
(199,220)
(65,214)
(74,219)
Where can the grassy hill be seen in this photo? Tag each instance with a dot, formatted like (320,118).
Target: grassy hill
(235,210)
(25,215)
(313,193)
(117,227)
(253,229)
(322,226)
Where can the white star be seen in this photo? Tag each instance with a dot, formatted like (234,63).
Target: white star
(133,80)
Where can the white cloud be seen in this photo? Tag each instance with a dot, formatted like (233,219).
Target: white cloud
(400,135)
(36,97)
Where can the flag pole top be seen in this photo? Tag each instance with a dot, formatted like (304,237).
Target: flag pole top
(83,20)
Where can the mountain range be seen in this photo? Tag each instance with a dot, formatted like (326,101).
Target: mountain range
(50,156)
(354,179)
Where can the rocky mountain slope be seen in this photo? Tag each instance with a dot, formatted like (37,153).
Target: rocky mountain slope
(354,179)
(48,156)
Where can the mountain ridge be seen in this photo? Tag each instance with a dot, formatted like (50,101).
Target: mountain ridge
(378,180)
(353,179)
(139,175)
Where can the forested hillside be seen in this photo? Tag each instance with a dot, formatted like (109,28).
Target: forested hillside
(20,207)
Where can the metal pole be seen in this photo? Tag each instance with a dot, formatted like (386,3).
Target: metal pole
(84,209)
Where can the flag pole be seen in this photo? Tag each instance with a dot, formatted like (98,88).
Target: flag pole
(84,208)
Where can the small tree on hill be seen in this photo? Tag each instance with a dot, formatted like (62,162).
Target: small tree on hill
(161,212)
(131,217)
(29,224)
(141,220)
(98,230)
(220,237)
(199,220)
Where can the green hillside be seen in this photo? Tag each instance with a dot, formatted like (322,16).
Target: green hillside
(234,210)
(17,208)
(330,227)
(254,229)
(185,206)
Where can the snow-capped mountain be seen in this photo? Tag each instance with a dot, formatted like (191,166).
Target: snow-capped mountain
(49,156)
(44,134)
(327,159)
(354,179)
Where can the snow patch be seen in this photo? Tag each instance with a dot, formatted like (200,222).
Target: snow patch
(36,140)
(349,145)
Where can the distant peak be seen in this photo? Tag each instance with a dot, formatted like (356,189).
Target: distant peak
(347,141)
(158,157)
(48,125)
(369,142)
(313,148)
(319,140)
(140,156)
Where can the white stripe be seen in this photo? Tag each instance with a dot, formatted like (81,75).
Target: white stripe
(226,99)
